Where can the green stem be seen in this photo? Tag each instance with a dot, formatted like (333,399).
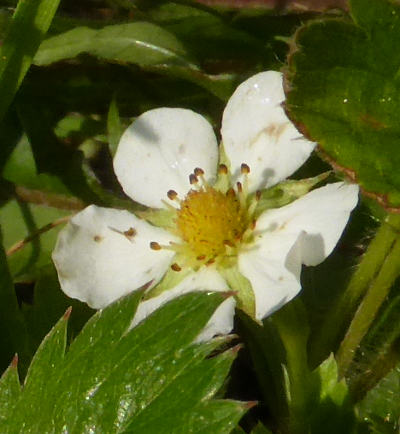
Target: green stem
(366,312)
(340,314)
(291,324)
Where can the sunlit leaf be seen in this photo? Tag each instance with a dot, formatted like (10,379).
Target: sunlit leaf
(151,378)
(344,93)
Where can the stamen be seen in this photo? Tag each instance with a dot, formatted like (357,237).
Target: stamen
(130,233)
(239,187)
(193,179)
(253,204)
(172,194)
(199,173)
(175,267)
(155,246)
(244,169)
(201,257)
(230,193)
(222,169)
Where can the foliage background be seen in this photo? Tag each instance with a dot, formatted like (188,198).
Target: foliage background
(73,75)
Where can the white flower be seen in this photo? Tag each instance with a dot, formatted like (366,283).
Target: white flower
(217,229)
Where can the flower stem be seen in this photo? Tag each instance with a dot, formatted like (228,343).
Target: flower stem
(292,327)
(340,314)
(378,290)
(22,243)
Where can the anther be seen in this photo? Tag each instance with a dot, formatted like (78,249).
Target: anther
(222,169)
(239,187)
(97,238)
(193,179)
(172,194)
(244,169)
(230,193)
(130,233)
(201,257)
(155,246)
(175,267)
(258,195)
(210,261)
(198,171)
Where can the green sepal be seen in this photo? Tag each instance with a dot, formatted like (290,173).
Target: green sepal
(159,217)
(224,181)
(170,280)
(114,126)
(286,192)
(330,387)
(244,296)
(331,402)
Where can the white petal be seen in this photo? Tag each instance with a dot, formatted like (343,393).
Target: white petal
(206,279)
(303,232)
(256,131)
(97,263)
(159,151)
(273,267)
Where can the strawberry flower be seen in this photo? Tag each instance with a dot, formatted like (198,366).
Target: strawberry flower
(219,218)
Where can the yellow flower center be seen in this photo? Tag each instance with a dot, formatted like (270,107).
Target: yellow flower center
(210,222)
(213,226)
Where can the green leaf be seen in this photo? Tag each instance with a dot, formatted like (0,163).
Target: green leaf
(212,39)
(151,378)
(141,43)
(30,23)
(260,429)
(52,158)
(49,303)
(380,407)
(347,97)
(12,326)
(268,355)
(10,389)
(20,220)
(114,126)
(21,170)
(47,361)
